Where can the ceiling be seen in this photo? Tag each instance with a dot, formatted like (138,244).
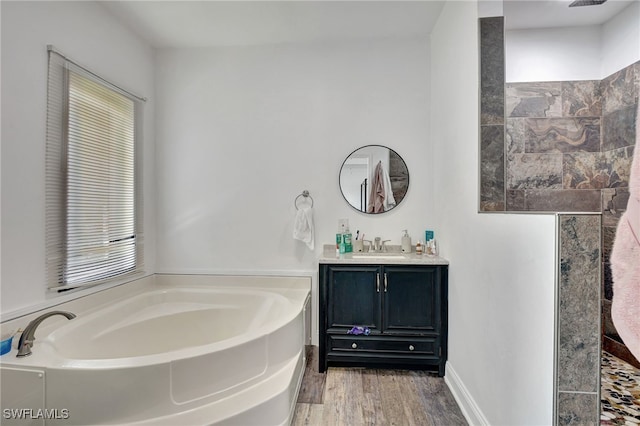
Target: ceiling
(231,23)
(523,14)
(228,23)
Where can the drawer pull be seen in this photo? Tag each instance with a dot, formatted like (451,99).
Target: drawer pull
(411,347)
(354,345)
(385,282)
(378,282)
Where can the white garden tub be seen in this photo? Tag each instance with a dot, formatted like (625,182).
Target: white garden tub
(181,354)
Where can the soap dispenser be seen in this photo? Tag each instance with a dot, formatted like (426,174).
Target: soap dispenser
(406,242)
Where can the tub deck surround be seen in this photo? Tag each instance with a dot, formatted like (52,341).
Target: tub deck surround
(146,328)
(187,349)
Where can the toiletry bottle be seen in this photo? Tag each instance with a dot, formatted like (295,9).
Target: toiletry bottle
(342,247)
(432,248)
(348,245)
(428,235)
(418,248)
(406,242)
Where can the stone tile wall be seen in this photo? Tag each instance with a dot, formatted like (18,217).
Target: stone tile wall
(560,146)
(569,144)
(578,325)
(492,114)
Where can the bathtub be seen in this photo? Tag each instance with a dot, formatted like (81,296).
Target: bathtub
(185,351)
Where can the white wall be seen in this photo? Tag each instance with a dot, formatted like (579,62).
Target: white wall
(87,33)
(621,40)
(553,54)
(243,130)
(501,276)
(574,53)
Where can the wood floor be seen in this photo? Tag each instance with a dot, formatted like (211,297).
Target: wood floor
(357,396)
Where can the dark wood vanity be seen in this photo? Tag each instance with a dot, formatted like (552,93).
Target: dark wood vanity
(402,303)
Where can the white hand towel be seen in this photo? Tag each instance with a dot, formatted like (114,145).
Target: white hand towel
(303,226)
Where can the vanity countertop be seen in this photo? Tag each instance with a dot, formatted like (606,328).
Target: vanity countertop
(392,257)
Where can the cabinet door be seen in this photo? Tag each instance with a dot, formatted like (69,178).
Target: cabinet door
(353,297)
(411,299)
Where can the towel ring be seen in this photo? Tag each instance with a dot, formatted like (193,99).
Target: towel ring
(304,194)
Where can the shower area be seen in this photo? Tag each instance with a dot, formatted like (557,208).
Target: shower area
(575,159)
(565,146)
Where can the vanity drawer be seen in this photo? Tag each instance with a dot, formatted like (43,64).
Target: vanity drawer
(404,345)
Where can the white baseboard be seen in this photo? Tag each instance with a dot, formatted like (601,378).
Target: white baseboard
(472,413)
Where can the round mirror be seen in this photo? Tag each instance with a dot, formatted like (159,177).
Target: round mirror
(374,179)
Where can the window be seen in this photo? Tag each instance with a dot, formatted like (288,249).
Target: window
(93,202)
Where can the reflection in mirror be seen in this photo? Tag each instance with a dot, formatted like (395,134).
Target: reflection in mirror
(374,179)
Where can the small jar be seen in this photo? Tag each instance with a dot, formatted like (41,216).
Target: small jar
(419,248)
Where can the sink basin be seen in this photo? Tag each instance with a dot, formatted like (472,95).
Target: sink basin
(378,256)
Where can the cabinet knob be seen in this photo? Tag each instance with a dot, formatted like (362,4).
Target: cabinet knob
(411,347)
(354,345)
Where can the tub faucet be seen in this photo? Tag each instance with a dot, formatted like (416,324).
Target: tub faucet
(28,335)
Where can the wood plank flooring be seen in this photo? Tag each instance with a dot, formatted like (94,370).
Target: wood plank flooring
(358,396)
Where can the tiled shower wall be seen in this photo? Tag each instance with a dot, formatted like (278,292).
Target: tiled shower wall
(578,329)
(569,144)
(562,147)
(569,147)
(492,196)
(552,137)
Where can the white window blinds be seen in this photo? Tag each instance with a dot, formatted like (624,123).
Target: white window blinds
(93,206)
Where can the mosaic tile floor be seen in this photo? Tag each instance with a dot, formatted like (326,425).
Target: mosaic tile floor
(620,392)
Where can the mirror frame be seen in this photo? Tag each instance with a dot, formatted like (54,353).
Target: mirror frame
(363,196)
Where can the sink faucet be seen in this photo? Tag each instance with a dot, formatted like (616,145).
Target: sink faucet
(28,335)
(378,245)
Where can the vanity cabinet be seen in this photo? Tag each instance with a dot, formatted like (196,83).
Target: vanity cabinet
(403,306)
